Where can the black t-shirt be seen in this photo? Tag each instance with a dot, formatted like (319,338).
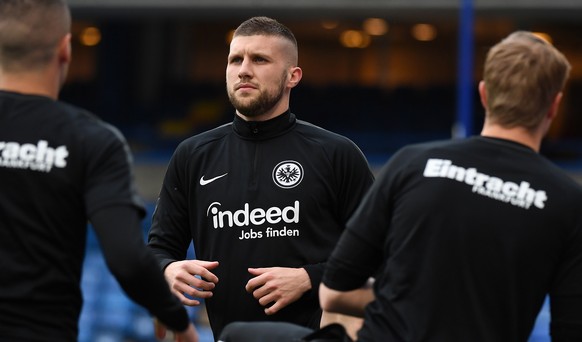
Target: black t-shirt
(465,238)
(59,167)
(259,194)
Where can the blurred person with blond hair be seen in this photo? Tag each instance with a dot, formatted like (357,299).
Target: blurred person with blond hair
(471,235)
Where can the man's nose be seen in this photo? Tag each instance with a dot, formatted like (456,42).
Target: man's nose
(245,69)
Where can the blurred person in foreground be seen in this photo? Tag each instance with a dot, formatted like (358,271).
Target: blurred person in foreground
(60,167)
(264,199)
(465,238)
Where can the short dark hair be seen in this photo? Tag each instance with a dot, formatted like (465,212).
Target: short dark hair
(265,26)
(30,30)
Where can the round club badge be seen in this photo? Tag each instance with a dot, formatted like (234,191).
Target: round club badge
(288,174)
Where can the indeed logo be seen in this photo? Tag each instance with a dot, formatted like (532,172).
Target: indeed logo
(39,157)
(520,195)
(246,216)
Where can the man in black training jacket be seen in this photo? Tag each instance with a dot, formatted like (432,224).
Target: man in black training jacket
(264,198)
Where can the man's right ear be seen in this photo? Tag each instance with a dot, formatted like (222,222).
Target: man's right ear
(483,94)
(553,111)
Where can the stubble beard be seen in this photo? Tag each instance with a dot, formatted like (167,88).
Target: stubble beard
(260,105)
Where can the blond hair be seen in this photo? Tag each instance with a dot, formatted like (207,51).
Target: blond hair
(523,74)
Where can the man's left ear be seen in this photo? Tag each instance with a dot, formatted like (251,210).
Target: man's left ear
(295,76)
(65,51)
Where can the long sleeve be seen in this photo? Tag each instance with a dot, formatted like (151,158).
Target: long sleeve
(134,266)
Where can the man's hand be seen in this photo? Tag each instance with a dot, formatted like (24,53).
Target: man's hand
(279,286)
(181,277)
(188,335)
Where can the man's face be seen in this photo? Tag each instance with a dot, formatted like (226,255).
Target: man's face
(257,74)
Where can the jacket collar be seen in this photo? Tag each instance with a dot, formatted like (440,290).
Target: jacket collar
(261,130)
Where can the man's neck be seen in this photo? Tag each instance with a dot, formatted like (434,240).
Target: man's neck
(518,134)
(263,117)
(33,83)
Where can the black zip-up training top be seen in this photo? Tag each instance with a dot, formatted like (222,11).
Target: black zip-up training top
(259,194)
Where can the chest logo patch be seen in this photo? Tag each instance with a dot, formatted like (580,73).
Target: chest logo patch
(288,174)
(203,181)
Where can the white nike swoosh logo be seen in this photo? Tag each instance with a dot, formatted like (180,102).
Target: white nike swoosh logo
(207,181)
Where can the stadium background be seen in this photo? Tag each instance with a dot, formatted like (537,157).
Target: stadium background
(383,72)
